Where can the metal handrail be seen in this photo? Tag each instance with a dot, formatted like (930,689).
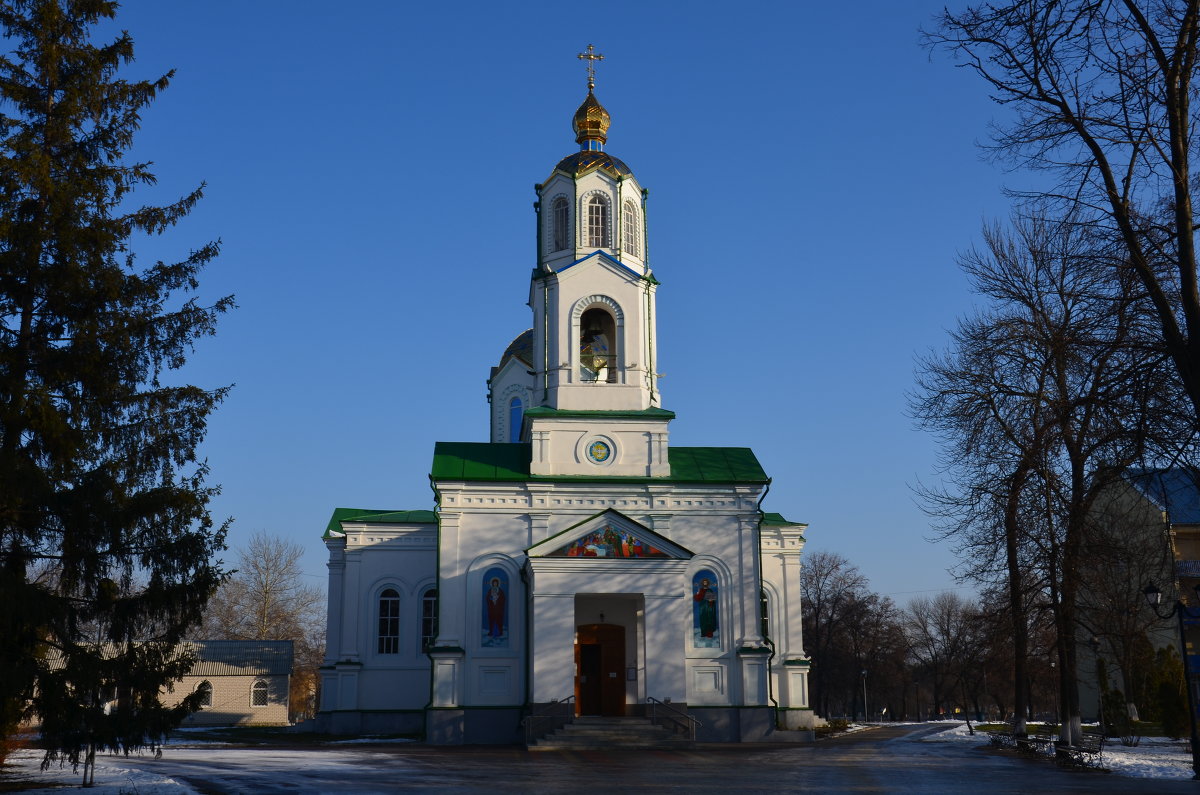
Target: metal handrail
(683,719)
(558,709)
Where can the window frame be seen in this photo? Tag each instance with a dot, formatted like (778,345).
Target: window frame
(205,687)
(598,221)
(429,617)
(516,415)
(631,228)
(560,223)
(387,643)
(260,686)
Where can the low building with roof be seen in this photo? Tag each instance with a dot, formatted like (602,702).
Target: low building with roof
(245,682)
(576,564)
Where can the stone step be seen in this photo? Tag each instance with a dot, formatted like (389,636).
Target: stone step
(598,733)
(609,729)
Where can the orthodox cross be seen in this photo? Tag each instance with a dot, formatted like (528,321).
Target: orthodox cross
(591,56)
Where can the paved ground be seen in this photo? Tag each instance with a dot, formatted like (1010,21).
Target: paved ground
(887,759)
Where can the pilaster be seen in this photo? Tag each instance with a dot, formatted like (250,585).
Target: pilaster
(336,594)
(351,619)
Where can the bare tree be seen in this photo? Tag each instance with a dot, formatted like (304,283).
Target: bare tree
(831,589)
(1101,94)
(943,642)
(1046,397)
(267,599)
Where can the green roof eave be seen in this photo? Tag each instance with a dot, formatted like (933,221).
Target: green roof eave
(482,461)
(364,516)
(651,413)
(777,520)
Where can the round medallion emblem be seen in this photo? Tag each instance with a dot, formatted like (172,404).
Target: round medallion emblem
(599,451)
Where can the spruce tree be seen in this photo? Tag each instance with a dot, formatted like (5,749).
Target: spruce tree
(107,549)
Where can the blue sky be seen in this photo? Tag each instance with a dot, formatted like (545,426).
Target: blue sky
(370,169)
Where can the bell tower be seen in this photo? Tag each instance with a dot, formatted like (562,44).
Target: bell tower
(596,405)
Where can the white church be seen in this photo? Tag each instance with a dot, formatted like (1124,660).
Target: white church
(576,564)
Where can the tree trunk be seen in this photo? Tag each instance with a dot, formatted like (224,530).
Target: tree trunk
(1016,603)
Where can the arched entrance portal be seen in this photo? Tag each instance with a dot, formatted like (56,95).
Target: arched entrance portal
(599,669)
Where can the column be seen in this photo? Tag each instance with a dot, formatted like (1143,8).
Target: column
(665,639)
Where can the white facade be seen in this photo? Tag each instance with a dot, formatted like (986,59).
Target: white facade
(576,556)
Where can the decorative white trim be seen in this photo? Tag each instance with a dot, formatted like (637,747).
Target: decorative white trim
(596,299)
(725,590)
(501,407)
(585,222)
(474,611)
(548,226)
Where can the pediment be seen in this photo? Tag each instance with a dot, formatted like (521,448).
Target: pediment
(599,259)
(610,535)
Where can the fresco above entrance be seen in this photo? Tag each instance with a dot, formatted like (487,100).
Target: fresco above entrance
(608,542)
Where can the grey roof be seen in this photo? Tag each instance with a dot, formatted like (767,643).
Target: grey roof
(241,657)
(1175,490)
(220,657)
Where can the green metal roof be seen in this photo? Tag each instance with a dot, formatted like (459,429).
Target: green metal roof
(510,462)
(645,414)
(776,519)
(364,516)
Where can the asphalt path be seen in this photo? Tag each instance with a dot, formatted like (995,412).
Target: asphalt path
(884,759)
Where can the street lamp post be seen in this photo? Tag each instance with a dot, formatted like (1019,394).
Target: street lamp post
(1180,610)
(866,712)
(1095,644)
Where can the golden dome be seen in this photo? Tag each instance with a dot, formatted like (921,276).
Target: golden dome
(591,121)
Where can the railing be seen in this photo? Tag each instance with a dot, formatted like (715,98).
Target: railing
(663,714)
(546,718)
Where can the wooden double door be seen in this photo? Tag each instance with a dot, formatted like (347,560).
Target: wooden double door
(600,670)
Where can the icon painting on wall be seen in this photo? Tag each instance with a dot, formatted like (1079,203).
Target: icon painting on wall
(706,632)
(495,608)
(608,542)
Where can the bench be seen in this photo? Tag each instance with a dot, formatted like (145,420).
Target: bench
(1027,743)
(1000,739)
(1086,753)
(1035,743)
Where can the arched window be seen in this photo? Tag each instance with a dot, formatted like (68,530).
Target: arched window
(258,694)
(389,622)
(598,222)
(558,219)
(631,228)
(429,622)
(515,415)
(706,608)
(597,346)
(205,691)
